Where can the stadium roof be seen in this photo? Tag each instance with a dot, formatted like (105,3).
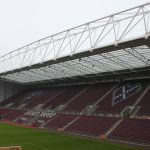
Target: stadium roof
(113,45)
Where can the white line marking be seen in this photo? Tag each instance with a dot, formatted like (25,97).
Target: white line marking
(38,146)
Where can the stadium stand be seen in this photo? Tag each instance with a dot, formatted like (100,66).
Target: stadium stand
(92,80)
(14,114)
(133,129)
(60,121)
(88,97)
(145,105)
(91,125)
(4,111)
(64,97)
(106,104)
(64,108)
(12,100)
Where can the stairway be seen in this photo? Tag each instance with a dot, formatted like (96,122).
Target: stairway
(77,95)
(141,96)
(51,98)
(60,108)
(105,95)
(135,111)
(19,117)
(70,123)
(41,126)
(89,109)
(113,127)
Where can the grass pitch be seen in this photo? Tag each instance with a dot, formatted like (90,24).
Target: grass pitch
(34,139)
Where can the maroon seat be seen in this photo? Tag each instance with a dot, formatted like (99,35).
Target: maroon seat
(133,129)
(14,99)
(4,111)
(60,121)
(43,97)
(64,97)
(88,97)
(13,115)
(92,125)
(106,105)
(145,105)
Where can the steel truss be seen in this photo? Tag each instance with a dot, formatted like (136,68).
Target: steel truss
(94,36)
(96,65)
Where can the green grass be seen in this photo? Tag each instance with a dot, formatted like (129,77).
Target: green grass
(34,139)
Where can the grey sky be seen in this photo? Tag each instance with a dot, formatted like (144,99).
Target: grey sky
(24,21)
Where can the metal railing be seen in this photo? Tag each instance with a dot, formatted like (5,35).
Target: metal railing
(113,29)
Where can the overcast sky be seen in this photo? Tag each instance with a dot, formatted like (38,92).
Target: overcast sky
(24,21)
